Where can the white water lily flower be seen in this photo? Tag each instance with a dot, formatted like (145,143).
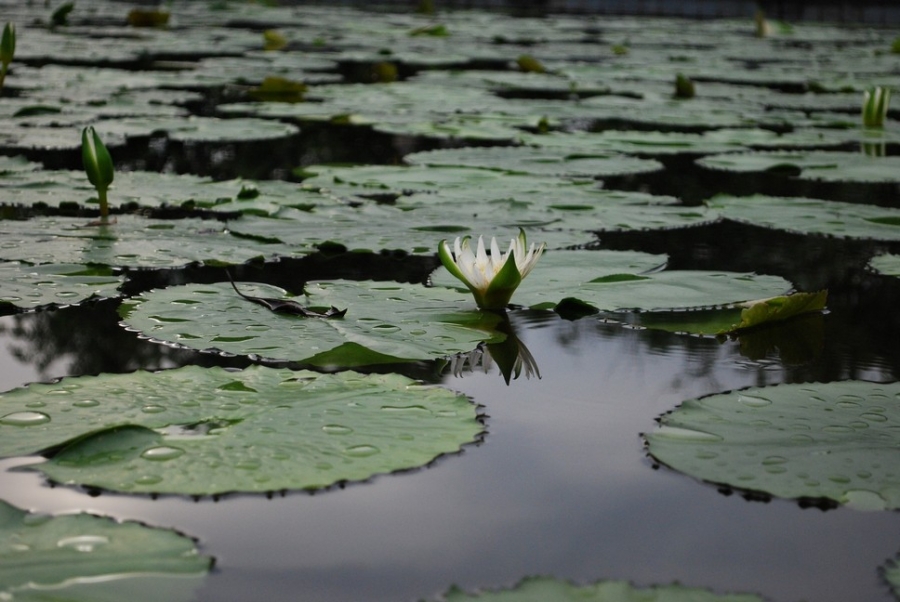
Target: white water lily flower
(491,278)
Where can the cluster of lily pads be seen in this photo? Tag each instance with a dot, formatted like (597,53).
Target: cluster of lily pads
(549,130)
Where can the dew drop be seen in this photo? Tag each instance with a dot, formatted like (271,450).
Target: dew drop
(148,479)
(153,408)
(873,417)
(25,419)
(162,453)
(706,455)
(837,428)
(83,543)
(361,451)
(412,408)
(682,434)
(337,429)
(774,460)
(35,404)
(248,464)
(754,401)
(86,403)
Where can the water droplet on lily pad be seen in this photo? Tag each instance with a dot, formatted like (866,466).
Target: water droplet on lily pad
(86,403)
(754,401)
(83,543)
(361,451)
(337,429)
(153,409)
(162,453)
(25,419)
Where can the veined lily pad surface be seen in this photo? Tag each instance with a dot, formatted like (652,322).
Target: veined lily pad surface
(535,589)
(86,557)
(207,431)
(833,441)
(385,322)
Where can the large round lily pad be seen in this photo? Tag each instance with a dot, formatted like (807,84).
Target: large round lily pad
(41,554)
(835,441)
(619,280)
(547,589)
(385,322)
(205,431)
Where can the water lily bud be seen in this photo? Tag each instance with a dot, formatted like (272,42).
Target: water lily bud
(97,161)
(875,106)
(8,44)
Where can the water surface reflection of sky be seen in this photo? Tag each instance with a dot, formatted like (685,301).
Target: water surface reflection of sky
(560,486)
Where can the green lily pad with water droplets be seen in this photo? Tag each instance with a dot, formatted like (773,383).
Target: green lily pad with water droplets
(83,557)
(202,431)
(834,441)
(812,216)
(813,166)
(547,589)
(619,280)
(386,322)
(28,287)
(132,241)
(537,161)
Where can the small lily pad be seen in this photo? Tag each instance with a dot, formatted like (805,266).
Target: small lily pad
(46,557)
(547,589)
(835,441)
(386,322)
(205,431)
(887,264)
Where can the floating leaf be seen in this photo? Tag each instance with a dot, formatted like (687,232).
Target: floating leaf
(385,322)
(81,556)
(205,431)
(812,166)
(833,441)
(887,264)
(29,286)
(547,589)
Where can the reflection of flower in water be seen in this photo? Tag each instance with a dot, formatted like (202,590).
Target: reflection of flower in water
(511,356)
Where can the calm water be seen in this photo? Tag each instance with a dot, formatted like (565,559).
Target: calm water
(560,484)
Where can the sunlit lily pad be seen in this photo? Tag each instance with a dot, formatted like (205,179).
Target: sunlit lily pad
(619,280)
(131,241)
(834,441)
(205,431)
(83,557)
(29,287)
(547,589)
(385,322)
(813,166)
(536,161)
(812,216)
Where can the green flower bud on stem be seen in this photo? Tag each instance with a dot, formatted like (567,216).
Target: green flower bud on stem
(7,50)
(98,166)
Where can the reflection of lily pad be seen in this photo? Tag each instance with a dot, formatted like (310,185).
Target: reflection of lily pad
(546,589)
(812,216)
(385,322)
(835,441)
(78,556)
(616,280)
(205,431)
(28,286)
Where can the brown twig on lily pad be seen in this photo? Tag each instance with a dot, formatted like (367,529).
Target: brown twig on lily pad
(287,306)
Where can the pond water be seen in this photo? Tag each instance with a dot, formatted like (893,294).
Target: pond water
(560,483)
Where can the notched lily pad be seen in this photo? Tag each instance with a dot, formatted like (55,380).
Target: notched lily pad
(832,442)
(547,589)
(385,322)
(205,431)
(87,557)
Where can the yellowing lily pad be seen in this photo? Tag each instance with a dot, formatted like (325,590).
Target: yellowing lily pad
(816,441)
(205,431)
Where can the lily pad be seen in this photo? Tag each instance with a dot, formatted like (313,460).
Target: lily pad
(812,166)
(205,431)
(834,441)
(386,322)
(619,280)
(887,264)
(28,287)
(812,216)
(547,589)
(536,161)
(46,557)
(131,241)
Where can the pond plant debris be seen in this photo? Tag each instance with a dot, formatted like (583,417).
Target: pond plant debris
(288,306)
